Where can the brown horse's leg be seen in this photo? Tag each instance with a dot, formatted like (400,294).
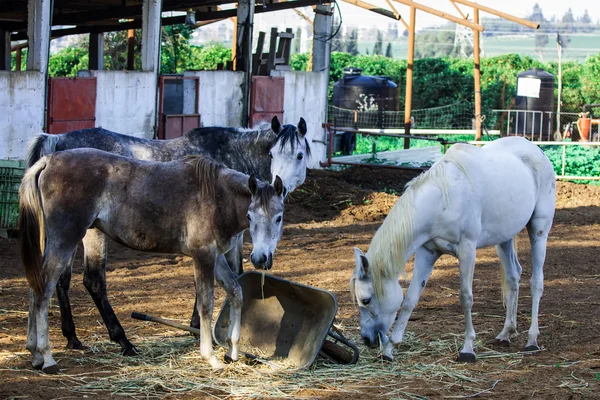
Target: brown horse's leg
(228,280)
(66,317)
(234,258)
(204,276)
(94,279)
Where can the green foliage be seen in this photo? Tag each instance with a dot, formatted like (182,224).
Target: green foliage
(13,60)
(68,62)
(208,57)
(115,50)
(299,61)
(175,50)
(590,77)
(579,161)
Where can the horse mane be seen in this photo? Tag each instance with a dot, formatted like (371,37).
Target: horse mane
(387,253)
(289,133)
(207,172)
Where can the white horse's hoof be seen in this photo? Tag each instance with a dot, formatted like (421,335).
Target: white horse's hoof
(532,348)
(51,370)
(466,358)
(215,363)
(38,361)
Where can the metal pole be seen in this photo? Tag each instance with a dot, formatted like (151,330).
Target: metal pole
(564,158)
(409,75)
(477,76)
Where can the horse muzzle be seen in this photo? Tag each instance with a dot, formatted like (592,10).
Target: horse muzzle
(262,261)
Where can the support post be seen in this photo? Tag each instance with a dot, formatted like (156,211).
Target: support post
(322,32)
(234,47)
(245,18)
(18,59)
(130,49)
(559,48)
(39,22)
(4,50)
(409,76)
(477,75)
(151,35)
(96,49)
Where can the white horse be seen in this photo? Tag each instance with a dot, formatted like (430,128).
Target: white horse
(471,198)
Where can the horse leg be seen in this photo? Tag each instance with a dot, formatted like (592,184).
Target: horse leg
(512,275)
(204,275)
(62,292)
(55,261)
(234,259)
(228,280)
(538,229)
(235,256)
(31,345)
(94,280)
(424,261)
(466,265)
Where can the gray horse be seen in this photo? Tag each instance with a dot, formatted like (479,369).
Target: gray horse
(191,206)
(269,150)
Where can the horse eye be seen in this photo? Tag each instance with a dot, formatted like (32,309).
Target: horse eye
(300,156)
(366,302)
(270,155)
(248,216)
(278,220)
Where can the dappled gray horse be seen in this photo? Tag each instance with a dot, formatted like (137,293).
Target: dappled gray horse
(269,150)
(191,206)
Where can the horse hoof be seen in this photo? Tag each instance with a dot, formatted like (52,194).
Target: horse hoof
(37,366)
(76,345)
(466,358)
(385,357)
(502,343)
(51,370)
(130,351)
(532,348)
(228,359)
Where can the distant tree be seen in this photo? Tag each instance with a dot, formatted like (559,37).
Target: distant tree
(176,50)
(68,61)
(432,44)
(115,50)
(378,48)
(352,46)
(585,22)
(388,51)
(541,37)
(337,42)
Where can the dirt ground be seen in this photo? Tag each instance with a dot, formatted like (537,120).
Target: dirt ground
(331,213)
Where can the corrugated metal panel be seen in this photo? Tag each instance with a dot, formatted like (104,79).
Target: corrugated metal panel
(71,104)
(266,98)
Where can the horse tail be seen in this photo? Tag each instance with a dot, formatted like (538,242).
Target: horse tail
(31,226)
(41,145)
(503,277)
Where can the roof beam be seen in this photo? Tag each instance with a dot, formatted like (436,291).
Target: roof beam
(497,13)
(441,14)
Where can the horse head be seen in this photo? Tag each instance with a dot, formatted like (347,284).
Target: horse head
(289,154)
(377,310)
(265,216)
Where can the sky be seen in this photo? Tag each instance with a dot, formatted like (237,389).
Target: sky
(353,15)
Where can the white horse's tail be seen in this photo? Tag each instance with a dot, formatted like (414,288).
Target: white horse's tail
(503,277)
(41,145)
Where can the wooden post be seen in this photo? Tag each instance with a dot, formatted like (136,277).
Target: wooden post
(477,75)
(96,51)
(559,48)
(18,59)
(233,45)
(245,17)
(409,75)
(130,49)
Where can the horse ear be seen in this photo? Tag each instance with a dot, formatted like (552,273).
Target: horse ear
(275,124)
(361,262)
(278,185)
(302,127)
(252,184)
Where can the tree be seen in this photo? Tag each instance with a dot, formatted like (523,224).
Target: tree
(176,50)
(388,51)
(68,61)
(378,48)
(352,46)
(115,50)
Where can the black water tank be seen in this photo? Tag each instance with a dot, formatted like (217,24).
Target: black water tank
(348,90)
(531,97)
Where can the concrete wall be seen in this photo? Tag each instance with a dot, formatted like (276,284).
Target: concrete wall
(126,101)
(220,97)
(306,96)
(21,111)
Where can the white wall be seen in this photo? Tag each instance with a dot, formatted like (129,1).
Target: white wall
(220,97)
(126,101)
(306,96)
(21,111)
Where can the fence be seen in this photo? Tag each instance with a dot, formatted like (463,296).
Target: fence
(11,172)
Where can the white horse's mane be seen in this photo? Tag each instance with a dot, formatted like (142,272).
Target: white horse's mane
(388,250)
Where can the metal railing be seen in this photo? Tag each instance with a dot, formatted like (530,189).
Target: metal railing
(563,158)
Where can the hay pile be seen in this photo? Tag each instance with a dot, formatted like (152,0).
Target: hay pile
(170,365)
